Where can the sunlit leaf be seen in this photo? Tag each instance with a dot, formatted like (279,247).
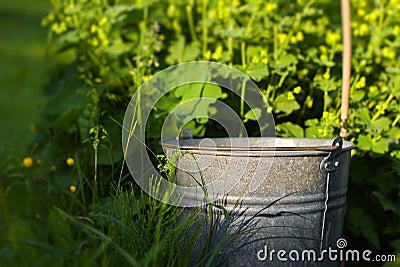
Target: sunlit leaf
(282,104)
(257,71)
(289,129)
(253,114)
(381,124)
(285,61)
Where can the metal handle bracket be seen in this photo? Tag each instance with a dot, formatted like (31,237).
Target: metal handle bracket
(331,162)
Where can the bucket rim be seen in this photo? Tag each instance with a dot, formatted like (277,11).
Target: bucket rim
(275,145)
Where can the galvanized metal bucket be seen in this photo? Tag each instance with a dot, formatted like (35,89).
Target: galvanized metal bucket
(296,200)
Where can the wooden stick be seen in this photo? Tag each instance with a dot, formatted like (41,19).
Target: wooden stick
(346,71)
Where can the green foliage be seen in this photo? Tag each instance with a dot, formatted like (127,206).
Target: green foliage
(291,49)
(127,228)
(292,52)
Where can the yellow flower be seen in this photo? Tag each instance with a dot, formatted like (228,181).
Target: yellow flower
(290,96)
(50,17)
(323,49)
(373,89)
(102,37)
(325,133)
(70,161)
(255,59)
(361,12)
(297,90)
(381,109)
(27,162)
(282,37)
(324,57)
(103,21)
(264,53)
(218,53)
(171,10)
(373,15)
(68,19)
(269,7)
(72,188)
(327,74)
(55,27)
(300,36)
(59,28)
(363,29)
(361,3)
(396,30)
(395,154)
(309,102)
(332,37)
(223,12)
(45,21)
(361,83)
(94,42)
(146,78)
(387,53)
(93,28)
(207,54)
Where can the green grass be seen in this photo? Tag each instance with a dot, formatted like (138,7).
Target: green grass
(23,72)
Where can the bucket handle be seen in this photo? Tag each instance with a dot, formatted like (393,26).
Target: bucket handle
(346,66)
